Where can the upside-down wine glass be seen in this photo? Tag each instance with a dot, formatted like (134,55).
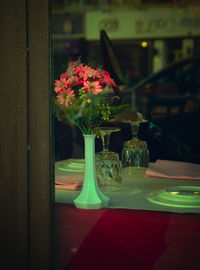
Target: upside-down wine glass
(135,152)
(108,164)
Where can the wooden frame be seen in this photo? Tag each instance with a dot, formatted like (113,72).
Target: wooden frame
(26,175)
(41,169)
(13,161)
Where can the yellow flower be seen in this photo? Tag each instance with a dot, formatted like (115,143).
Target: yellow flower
(89,100)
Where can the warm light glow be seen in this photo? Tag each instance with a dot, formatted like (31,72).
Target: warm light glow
(144,44)
(174,192)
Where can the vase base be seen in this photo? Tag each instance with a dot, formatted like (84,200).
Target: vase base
(85,205)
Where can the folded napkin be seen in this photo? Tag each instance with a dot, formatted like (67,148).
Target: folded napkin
(174,169)
(69,182)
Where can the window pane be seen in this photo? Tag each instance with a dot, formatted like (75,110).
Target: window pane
(151,52)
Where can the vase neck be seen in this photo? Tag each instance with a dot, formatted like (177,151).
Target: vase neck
(89,144)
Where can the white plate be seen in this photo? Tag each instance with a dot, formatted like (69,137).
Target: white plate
(73,166)
(177,196)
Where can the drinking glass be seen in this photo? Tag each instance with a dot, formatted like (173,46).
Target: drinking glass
(135,152)
(108,164)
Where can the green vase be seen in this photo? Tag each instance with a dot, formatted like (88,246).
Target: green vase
(90,196)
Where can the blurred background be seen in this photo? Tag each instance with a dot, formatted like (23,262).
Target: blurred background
(151,48)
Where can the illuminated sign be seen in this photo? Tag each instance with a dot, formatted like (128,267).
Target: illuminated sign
(143,23)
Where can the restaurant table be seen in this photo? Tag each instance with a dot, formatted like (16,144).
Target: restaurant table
(132,232)
(135,192)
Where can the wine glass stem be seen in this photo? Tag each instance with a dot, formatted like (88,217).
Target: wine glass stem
(135,129)
(105,141)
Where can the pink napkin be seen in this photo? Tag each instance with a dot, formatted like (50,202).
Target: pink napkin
(174,169)
(69,182)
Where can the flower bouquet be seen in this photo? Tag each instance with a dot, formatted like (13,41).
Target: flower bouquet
(82,97)
(83,101)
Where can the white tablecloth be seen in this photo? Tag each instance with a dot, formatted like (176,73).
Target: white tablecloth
(134,192)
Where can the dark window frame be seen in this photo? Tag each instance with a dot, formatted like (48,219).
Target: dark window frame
(26,175)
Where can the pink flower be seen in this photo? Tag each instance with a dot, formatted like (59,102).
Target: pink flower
(94,86)
(60,84)
(88,73)
(71,68)
(65,97)
(79,69)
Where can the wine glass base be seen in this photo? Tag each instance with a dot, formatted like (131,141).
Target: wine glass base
(135,153)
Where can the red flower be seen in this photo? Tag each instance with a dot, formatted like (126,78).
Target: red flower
(87,78)
(107,79)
